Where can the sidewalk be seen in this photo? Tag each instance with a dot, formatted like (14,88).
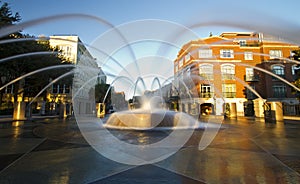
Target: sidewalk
(9,118)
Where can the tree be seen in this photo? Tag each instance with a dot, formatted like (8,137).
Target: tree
(16,67)
(100,91)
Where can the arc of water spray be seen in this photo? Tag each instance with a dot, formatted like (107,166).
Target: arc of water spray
(272,74)
(111,85)
(268,72)
(27,54)
(17,27)
(49,52)
(52,82)
(136,83)
(93,78)
(22,39)
(37,71)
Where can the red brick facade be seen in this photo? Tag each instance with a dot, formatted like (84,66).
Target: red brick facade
(232,61)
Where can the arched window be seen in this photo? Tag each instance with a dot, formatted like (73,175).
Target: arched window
(206,71)
(278,70)
(228,71)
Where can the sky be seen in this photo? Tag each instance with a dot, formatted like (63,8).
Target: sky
(93,21)
(118,12)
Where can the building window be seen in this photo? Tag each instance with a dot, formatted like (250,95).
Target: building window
(295,69)
(9,89)
(206,72)
(228,72)
(229,90)
(205,53)
(66,89)
(278,70)
(275,54)
(60,89)
(187,58)
(243,42)
(279,91)
(206,91)
(226,53)
(180,63)
(248,55)
(250,76)
(55,88)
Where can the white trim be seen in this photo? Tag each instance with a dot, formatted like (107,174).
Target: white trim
(217,60)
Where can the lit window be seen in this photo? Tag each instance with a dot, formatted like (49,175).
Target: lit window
(206,91)
(248,56)
(250,76)
(226,53)
(275,54)
(229,90)
(205,53)
(206,71)
(228,71)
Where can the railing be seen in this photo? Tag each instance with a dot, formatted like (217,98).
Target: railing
(206,95)
(291,110)
(250,45)
(205,76)
(229,94)
(228,76)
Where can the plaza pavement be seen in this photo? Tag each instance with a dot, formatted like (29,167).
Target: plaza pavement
(245,150)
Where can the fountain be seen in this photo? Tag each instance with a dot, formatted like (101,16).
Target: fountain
(149,117)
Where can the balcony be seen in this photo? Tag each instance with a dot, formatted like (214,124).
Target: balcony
(251,78)
(206,95)
(228,76)
(255,44)
(229,94)
(206,76)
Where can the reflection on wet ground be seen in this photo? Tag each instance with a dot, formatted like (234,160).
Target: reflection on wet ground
(245,150)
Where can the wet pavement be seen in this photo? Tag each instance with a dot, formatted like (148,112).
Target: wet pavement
(245,150)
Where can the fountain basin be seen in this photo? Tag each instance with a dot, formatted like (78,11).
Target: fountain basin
(144,120)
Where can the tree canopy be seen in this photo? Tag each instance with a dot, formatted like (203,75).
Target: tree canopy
(21,57)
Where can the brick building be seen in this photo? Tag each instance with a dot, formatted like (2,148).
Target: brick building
(233,72)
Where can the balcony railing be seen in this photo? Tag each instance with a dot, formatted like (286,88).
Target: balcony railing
(229,94)
(250,45)
(228,77)
(206,95)
(251,78)
(205,76)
